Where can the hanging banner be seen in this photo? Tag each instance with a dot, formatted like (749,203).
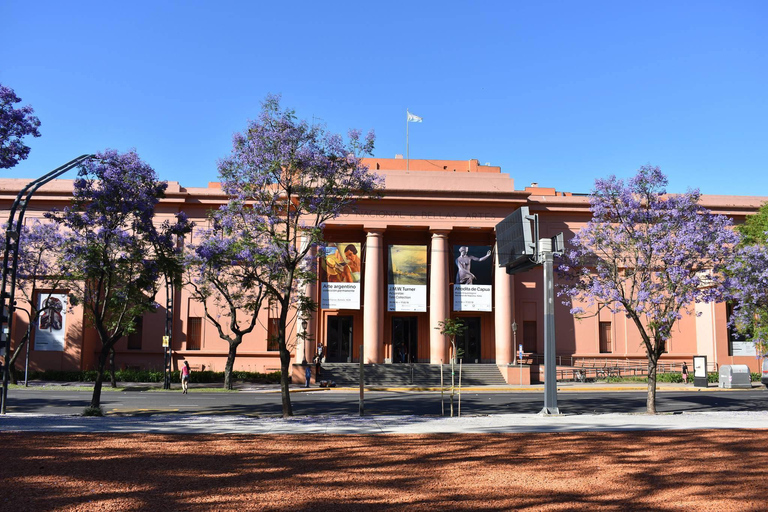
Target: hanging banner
(407,278)
(51,326)
(340,271)
(472,289)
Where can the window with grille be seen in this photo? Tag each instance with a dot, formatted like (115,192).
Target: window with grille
(606,342)
(194,333)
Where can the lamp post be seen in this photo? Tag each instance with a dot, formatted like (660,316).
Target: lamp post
(514,340)
(304,325)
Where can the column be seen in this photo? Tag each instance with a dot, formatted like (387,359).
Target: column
(303,347)
(503,291)
(439,308)
(373,306)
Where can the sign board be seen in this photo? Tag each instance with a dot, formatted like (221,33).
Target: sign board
(407,278)
(340,271)
(51,325)
(516,239)
(166,341)
(472,289)
(744,348)
(700,371)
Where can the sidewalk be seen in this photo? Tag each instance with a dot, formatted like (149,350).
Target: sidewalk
(366,425)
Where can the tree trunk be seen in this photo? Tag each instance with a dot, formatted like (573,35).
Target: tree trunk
(650,403)
(12,361)
(96,398)
(285,358)
(112,367)
(228,384)
(285,380)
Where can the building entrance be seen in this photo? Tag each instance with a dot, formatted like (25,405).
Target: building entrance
(469,341)
(339,339)
(405,342)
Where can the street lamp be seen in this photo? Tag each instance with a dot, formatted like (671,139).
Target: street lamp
(514,337)
(304,325)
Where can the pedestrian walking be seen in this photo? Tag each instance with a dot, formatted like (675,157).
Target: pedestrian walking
(685,373)
(185,371)
(307,373)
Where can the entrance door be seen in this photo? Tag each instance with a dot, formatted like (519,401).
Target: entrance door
(468,343)
(405,341)
(339,339)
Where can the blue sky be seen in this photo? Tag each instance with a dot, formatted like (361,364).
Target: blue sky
(558,93)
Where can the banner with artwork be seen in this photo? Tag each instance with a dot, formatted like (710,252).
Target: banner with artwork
(407,278)
(340,270)
(472,289)
(51,326)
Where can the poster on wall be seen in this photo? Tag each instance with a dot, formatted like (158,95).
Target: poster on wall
(472,289)
(340,276)
(51,326)
(407,278)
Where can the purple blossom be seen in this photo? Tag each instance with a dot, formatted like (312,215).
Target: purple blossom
(647,254)
(15,124)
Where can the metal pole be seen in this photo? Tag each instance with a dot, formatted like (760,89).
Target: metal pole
(460,361)
(407,149)
(362,381)
(169,291)
(26,360)
(550,369)
(442,394)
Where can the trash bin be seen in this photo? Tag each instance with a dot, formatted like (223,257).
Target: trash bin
(735,376)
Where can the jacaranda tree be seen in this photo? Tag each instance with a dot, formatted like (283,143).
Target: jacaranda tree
(225,272)
(15,124)
(40,245)
(286,179)
(749,280)
(648,254)
(115,252)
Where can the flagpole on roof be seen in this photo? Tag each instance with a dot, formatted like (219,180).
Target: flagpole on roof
(409,118)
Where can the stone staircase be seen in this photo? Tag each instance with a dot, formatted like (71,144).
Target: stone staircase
(416,375)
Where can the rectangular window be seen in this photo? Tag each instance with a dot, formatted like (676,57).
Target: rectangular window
(529,336)
(606,342)
(134,339)
(194,333)
(272,323)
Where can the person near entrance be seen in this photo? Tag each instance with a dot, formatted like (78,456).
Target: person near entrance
(318,361)
(464,262)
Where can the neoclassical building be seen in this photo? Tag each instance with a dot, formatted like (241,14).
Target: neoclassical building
(391,270)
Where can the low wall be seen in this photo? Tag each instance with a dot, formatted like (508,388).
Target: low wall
(518,375)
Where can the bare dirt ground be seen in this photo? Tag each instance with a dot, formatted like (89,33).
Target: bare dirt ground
(671,470)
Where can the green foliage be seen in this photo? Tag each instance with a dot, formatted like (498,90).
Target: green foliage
(93,411)
(154,376)
(754,228)
(451,327)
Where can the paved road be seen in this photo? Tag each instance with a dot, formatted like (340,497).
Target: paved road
(598,400)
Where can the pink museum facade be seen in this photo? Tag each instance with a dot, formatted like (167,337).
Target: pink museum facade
(391,270)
